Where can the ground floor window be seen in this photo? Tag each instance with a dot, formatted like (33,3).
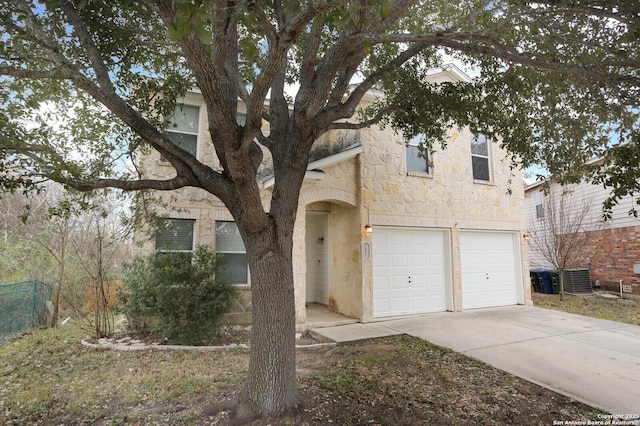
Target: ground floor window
(234,268)
(175,237)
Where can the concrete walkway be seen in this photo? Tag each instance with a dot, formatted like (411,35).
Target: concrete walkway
(591,360)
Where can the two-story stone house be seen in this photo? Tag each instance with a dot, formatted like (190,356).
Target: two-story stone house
(380,231)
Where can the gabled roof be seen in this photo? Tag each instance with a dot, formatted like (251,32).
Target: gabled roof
(450,70)
(539,183)
(315,168)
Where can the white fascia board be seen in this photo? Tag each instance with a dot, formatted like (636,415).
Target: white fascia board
(372,95)
(314,169)
(534,185)
(450,70)
(335,158)
(309,176)
(314,175)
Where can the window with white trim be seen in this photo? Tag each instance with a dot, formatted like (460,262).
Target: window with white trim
(176,236)
(417,157)
(183,130)
(233,268)
(480,157)
(539,201)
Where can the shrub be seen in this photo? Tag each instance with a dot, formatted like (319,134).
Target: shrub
(175,294)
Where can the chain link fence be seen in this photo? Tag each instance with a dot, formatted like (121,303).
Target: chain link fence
(22,307)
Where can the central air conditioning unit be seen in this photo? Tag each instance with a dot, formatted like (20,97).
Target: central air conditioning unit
(577,281)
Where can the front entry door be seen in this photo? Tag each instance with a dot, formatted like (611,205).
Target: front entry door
(317,254)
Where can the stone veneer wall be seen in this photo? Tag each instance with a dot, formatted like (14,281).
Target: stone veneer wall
(345,285)
(613,253)
(373,188)
(449,191)
(446,198)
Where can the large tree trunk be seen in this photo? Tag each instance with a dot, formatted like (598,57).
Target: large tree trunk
(270,389)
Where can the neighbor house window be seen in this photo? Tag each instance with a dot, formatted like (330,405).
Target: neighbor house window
(175,236)
(183,130)
(480,157)
(539,198)
(233,268)
(417,158)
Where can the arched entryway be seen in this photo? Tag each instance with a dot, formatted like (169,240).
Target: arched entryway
(333,273)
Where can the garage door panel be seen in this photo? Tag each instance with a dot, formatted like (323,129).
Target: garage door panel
(381,259)
(382,283)
(405,253)
(488,269)
(381,305)
(398,260)
(401,304)
(417,259)
(400,283)
(420,303)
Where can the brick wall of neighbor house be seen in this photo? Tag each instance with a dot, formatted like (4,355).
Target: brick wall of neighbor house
(613,246)
(613,253)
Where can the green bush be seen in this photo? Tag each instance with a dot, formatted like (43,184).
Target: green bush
(175,294)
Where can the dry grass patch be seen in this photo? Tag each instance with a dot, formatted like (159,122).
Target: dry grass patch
(592,305)
(48,377)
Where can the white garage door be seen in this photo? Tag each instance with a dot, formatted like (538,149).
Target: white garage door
(408,271)
(488,262)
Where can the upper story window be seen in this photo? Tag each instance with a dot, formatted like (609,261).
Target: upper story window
(234,268)
(539,201)
(417,157)
(183,130)
(176,236)
(480,157)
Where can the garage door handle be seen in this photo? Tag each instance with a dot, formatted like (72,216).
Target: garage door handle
(409,280)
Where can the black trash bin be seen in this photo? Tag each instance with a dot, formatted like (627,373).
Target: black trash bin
(545,280)
(535,282)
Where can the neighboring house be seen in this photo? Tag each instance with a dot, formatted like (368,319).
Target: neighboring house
(380,232)
(609,249)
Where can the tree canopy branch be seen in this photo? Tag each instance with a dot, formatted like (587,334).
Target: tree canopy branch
(381,114)
(130,185)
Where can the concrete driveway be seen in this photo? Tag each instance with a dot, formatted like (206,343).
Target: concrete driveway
(591,360)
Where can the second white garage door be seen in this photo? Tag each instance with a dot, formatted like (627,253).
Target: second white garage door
(409,271)
(488,262)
